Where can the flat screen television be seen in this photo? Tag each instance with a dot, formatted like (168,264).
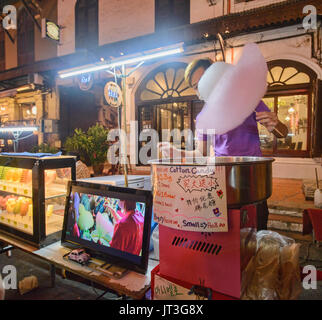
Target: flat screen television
(111,223)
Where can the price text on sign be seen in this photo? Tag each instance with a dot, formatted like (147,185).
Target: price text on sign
(191,198)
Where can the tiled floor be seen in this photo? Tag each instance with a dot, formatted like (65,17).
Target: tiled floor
(288,193)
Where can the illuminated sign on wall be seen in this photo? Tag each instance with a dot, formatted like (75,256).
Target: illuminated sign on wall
(50,30)
(113,94)
(85,81)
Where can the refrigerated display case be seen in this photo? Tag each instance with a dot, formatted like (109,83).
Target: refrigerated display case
(32,196)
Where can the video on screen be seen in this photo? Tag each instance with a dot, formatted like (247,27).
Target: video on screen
(107,222)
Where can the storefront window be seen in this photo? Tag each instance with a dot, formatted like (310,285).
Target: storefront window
(289,95)
(165,102)
(28,112)
(21,112)
(266,138)
(293,112)
(165,84)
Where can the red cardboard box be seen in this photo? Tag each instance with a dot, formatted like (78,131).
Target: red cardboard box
(167,288)
(213,260)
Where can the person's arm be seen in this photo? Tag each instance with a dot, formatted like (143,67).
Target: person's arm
(270,121)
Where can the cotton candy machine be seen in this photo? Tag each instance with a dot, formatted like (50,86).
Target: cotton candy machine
(206,209)
(248,179)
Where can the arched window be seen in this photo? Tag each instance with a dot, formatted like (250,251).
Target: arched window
(26,38)
(165,101)
(164,83)
(86,24)
(289,94)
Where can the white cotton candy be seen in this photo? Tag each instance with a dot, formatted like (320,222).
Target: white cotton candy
(237,94)
(211,78)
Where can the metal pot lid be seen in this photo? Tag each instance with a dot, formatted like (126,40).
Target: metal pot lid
(214,161)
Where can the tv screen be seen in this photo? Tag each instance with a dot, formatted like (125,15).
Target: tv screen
(112,223)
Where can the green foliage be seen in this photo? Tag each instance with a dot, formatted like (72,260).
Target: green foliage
(90,145)
(44,148)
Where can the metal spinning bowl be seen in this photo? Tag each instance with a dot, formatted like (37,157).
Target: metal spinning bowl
(248,179)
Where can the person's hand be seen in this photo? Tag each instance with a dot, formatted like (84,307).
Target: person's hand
(167,151)
(268,119)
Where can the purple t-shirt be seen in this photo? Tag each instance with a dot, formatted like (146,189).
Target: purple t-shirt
(241,141)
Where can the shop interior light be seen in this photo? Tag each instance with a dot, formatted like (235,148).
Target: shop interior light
(120,62)
(291,110)
(18,129)
(34,110)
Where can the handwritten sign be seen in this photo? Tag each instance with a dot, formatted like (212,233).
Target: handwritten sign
(191,198)
(167,290)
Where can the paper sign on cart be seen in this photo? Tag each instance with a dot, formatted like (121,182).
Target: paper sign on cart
(191,198)
(167,290)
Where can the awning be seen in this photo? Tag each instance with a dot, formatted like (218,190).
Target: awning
(8,93)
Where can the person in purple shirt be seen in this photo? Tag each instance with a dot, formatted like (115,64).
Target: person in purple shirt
(241,141)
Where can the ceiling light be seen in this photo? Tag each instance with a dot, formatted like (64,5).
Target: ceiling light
(119,62)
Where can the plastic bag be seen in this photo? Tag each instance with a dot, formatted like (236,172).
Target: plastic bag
(273,273)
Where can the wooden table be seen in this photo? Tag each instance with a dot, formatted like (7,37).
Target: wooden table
(132,284)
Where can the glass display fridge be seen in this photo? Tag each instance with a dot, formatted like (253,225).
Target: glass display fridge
(32,196)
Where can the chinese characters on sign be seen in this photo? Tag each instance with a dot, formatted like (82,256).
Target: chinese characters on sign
(191,198)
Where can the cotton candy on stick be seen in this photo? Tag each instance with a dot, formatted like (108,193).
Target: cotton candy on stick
(236,95)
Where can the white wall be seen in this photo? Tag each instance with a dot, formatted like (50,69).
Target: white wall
(200,9)
(296,168)
(117,20)
(243,6)
(123,19)
(66,19)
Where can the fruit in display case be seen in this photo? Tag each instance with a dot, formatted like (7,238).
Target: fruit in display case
(16,175)
(10,205)
(24,205)
(50,210)
(16,205)
(3,201)
(30,210)
(4,171)
(9,174)
(26,176)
